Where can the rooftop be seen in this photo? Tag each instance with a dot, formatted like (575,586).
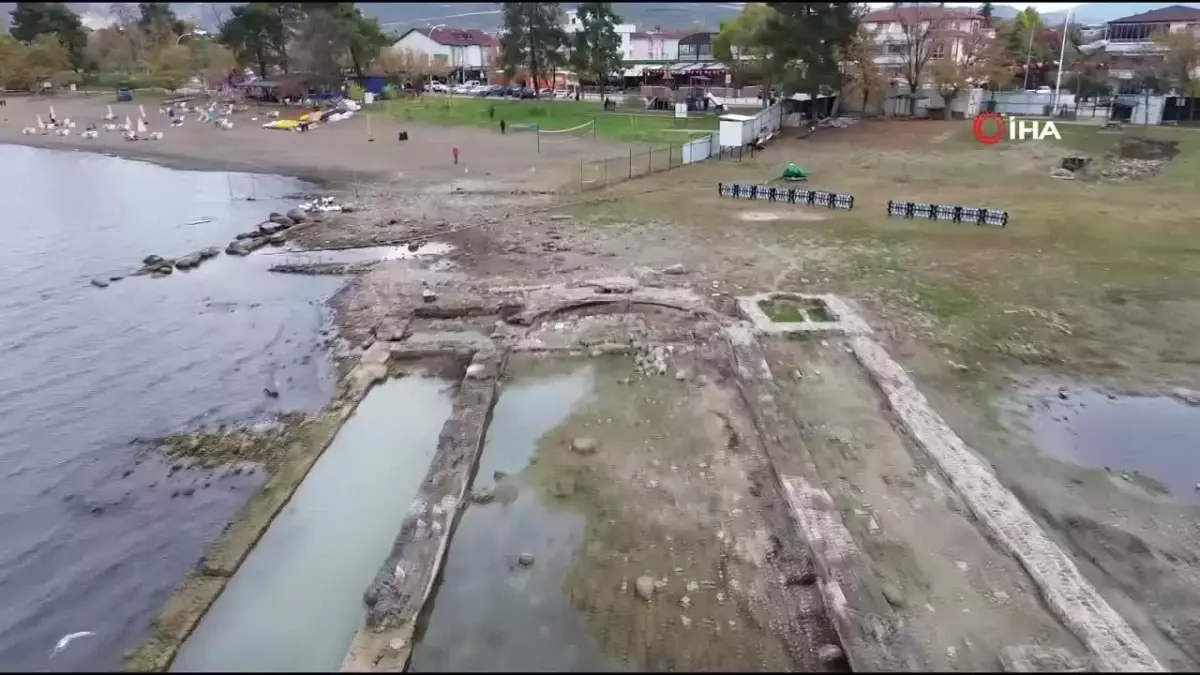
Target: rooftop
(911,14)
(455,37)
(1172,14)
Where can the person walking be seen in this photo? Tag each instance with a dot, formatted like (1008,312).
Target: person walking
(503,126)
(454,151)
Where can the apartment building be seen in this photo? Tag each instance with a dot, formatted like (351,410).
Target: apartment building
(624,30)
(469,53)
(1129,44)
(952,27)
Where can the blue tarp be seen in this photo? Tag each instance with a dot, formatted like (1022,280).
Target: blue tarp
(373,84)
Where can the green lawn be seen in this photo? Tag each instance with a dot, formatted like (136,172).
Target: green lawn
(552,116)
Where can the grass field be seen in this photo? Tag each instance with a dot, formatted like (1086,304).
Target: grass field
(551,116)
(1094,276)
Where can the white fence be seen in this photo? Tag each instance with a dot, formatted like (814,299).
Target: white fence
(700,149)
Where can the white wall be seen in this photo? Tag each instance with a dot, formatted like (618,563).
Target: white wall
(420,43)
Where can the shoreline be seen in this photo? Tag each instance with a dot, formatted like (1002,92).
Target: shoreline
(331,179)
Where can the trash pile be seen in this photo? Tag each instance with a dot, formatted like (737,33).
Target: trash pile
(839,122)
(320,205)
(343,110)
(1133,169)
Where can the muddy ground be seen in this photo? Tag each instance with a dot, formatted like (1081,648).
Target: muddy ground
(961,307)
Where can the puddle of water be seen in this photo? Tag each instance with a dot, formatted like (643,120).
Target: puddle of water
(490,613)
(1154,436)
(350,256)
(297,600)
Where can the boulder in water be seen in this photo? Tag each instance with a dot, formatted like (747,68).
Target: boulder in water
(297,215)
(269,227)
(188,261)
(210,252)
(99,283)
(281,220)
(152,260)
(277,238)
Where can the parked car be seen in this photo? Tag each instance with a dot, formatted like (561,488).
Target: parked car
(479,90)
(124,93)
(496,90)
(461,89)
(437,87)
(526,92)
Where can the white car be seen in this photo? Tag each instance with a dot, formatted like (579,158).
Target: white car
(461,89)
(437,87)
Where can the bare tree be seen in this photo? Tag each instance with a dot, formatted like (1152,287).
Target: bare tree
(975,59)
(861,72)
(1181,59)
(921,27)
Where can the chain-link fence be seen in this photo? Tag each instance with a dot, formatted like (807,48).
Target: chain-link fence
(596,174)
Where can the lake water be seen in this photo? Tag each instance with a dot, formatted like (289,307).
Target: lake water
(90,540)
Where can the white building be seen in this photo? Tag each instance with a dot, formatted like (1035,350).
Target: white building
(892,27)
(1129,44)
(624,30)
(656,45)
(464,50)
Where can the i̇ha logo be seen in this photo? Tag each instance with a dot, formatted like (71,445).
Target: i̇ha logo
(1002,126)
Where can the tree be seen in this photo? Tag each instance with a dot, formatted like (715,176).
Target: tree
(112,49)
(1181,59)
(987,10)
(319,49)
(158,17)
(861,71)
(252,32)
(31,19)
(361,37)
(806,42)
(210,59)
(399,64)
(922,28)
(533,38)
(980,59)
(742,45)
(172,67)
(596,47)
(47,60)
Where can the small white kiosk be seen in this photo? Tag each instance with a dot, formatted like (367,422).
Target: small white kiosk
(736,130)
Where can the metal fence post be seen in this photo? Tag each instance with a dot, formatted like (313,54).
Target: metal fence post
(605,183)
(650,161)
(670,155)
(631,163)
(581,174)
(537,131)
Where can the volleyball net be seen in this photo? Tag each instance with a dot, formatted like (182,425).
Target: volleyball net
(585,130)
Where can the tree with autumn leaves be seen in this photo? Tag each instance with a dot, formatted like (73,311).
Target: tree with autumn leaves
(977,59)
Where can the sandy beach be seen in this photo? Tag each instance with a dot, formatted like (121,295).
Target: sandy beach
(338,152)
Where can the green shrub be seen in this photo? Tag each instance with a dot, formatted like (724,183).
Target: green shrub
(356,92)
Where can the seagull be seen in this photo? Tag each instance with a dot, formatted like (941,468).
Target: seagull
(66,640)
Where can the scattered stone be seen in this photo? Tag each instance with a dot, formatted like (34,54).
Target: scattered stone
(99,283)
(188,261)
(692,587)
(476,371)
(961,565)
(116,277)
(428,295)
(1062,393)
(893,595)
(685,602)
(563,487)
(525,560)
(675,269)
(644,587)
(297,215)
(188,491)
(280,219)
(829,653)
(682,374)
(561,216)
(277,239)
(584,446)
(1065,174)
(152,260)
(414,245)
(482,496)
(272,393)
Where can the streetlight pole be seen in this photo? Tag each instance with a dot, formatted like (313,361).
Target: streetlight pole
(431,30)
(1062,55)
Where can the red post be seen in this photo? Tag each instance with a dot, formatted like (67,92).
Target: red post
(454,151)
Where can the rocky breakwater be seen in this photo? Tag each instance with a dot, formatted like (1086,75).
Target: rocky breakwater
(272,231)
(158,266)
